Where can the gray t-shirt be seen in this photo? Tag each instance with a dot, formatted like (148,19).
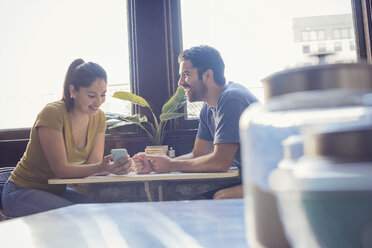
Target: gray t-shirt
(221,124)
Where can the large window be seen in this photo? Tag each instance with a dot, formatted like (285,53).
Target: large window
(40,38)
(257,38)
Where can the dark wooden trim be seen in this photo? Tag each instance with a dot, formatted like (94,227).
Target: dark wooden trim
(16,133)
(155,32)
(368,33)
(362,25)
(173,27)
(151,55)
(359,30)
(132,45)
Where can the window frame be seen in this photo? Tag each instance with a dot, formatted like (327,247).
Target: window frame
(165,45)
(155,59)
(361,10)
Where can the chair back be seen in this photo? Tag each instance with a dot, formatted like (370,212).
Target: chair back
(4,175)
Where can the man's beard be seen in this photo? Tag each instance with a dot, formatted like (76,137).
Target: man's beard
(197,92)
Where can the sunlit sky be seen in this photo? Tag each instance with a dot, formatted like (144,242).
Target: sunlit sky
(40,38)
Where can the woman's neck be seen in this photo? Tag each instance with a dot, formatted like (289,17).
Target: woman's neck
(77,117)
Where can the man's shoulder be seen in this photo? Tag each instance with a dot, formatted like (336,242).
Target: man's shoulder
(237,92)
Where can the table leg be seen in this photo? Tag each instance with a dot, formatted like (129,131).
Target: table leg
(162,190)
(161,186)
(148,192)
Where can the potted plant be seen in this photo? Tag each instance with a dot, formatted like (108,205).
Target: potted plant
(155,130)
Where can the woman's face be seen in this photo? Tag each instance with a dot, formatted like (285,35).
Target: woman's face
(88,99)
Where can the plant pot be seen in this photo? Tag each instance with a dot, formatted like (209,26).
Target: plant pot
(163,149)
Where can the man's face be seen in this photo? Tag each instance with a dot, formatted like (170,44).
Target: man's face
(196,89)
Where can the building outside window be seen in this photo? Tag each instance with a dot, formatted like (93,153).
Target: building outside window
(352,45)
(305,49)
(337,46)
(322,47)
(336,33)
(41,38)
(345,33)
(305,35)
(321,35)
(337,29)
(351,33)
(313,35)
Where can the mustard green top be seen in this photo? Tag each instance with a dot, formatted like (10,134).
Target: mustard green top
(33,170)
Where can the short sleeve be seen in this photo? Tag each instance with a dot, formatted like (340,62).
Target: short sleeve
(102,119)
(51,116)
(205,125)
(227,126)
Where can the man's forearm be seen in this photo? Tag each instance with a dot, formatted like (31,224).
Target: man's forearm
(206,163)
(185,156)
(216,159)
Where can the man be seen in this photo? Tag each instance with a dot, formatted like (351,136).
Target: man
(216,146)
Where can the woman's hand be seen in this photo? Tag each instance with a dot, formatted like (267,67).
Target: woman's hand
(117,167)
(140,164)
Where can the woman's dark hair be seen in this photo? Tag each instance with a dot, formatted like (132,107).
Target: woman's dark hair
(204,58)
(80,74)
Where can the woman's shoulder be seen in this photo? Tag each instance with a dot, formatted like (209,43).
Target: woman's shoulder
(56,106)
(53,110)
(52,115)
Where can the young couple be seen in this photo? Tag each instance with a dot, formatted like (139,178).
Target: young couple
(67,138)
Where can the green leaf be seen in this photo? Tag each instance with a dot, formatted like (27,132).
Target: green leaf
(127,96)
(170,116)
(175,102)
(120,124)
(127,120)
(155,130)
(136,119)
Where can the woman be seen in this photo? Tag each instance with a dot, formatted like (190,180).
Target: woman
(66,141)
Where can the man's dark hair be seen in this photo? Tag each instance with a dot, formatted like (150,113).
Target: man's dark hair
(204,58)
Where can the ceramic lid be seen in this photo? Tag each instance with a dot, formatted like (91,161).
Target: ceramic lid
(293,147)
(341,142)
(337,157)
(318,77)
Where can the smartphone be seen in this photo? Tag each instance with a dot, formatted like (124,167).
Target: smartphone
(119,154)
